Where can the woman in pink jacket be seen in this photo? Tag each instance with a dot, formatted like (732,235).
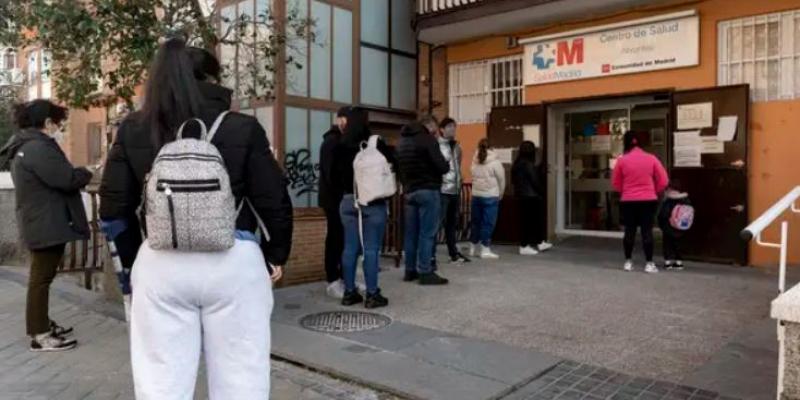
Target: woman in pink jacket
(639,176)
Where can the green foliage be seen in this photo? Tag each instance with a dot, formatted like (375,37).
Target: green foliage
(101,48)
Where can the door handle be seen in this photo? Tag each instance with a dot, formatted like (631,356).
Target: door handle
(738,208)
(738,164)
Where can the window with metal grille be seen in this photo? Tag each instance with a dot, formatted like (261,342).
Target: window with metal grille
(476,87)
(763,51)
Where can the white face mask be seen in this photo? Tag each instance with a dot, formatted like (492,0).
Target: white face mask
(58,135)
(450,131)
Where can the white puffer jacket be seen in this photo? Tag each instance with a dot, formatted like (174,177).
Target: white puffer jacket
(489,178)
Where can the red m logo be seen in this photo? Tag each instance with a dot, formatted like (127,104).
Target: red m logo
(570,53)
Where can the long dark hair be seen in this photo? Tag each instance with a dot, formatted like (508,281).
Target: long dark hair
(527,152)
(172,95)
(483,150)
(357,128)
(630,141)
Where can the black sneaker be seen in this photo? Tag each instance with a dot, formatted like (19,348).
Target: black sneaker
(376,300)
(351,298)
(432,279)
(58,330)
(410,276)
(459,259)
(49,343)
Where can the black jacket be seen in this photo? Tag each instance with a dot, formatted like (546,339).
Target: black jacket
(243,143)
(330,193)
(47,187)
(420,159)
(526,179)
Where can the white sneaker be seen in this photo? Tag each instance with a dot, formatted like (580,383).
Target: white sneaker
(336,289)
(544,246)
(472,250)
(486,253)
(651,268)
(628,266)
(527,251)
(48,343)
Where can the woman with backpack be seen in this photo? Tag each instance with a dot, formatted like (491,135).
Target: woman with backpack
(488,186)
(50,212)
(529,191)
(188,302)
(639,176)
(364,224)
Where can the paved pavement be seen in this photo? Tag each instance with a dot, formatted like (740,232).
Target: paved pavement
(99,368)
(706,328)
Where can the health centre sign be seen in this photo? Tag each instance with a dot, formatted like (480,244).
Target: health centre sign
(638,46)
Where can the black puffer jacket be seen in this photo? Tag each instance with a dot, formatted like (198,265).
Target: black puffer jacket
(330,193)
(243,143)
(526,179)
(420,159)
(47,187)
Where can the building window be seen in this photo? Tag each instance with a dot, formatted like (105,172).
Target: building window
(764,52)
(388,54)
(314,64)
(476,87)
(240,61)
(304,129)
(10,60)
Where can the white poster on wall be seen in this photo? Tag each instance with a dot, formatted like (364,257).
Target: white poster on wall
(637,46)
(712,145)
(695,116)
(532,133)
(688,149)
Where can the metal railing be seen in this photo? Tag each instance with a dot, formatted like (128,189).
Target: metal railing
(754,230)
(435,6)
(86,256)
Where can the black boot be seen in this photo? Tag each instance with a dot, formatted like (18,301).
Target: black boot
(351,298)
(410,276)
(376,300)
(432,279)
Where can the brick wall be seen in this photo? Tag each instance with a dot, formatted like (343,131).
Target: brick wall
(306,263)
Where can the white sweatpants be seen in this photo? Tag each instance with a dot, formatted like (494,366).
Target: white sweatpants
(184,302)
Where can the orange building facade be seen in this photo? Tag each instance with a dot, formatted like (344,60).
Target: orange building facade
(725,27)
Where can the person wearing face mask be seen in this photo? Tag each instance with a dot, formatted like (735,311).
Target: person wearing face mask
(451,188)
(50,212)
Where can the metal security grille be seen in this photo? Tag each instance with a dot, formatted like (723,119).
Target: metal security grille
(476,87)
(763,51)
(344,321)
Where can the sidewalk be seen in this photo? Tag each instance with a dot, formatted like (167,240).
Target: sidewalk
(99,368)
(513,327)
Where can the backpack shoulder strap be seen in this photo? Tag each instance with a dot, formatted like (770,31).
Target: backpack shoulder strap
(203,129)
(373,141)
(215,126)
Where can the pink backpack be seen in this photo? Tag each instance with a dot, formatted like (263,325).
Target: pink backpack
(682,217)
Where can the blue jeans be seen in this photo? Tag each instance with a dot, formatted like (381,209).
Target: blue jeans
(484,219)
(374,220)
(421,225)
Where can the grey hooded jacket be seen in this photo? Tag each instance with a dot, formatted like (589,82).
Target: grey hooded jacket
(451,150)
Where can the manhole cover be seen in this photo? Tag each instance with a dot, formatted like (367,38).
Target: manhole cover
(344,321)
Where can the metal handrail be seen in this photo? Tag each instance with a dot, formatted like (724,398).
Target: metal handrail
(762,222)
(754,230)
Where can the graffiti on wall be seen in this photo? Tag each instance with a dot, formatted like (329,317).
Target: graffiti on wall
(302,172)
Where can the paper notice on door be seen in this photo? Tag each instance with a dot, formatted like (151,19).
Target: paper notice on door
(532,133)
(726,130)
(601,143)
(695,116)
(687,139)
(505,156)
(689,156)
(712,145)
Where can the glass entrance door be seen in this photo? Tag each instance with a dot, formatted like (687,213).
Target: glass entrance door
(590,142)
